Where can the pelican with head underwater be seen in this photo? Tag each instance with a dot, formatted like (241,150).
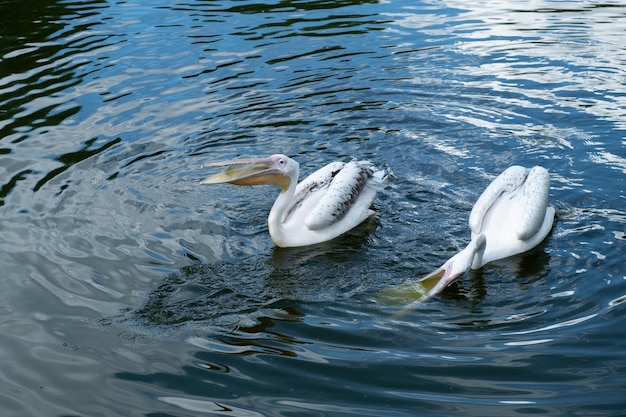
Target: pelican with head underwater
(326,204)
(510,217)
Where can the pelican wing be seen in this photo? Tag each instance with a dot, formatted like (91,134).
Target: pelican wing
(510,179)
(342,193)
(317,182)
(536,194)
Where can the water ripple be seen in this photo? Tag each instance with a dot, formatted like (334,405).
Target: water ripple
(128,287)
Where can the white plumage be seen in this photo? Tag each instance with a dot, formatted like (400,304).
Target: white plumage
(510,217)
(326,204)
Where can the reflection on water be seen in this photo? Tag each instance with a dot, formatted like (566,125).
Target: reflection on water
(127,288)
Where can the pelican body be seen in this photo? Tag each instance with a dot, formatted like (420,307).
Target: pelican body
(326,204)
(510,217)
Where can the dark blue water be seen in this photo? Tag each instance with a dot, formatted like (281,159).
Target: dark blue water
(129,290)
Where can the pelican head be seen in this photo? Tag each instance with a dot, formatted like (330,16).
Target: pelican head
(456,266)
(276,170)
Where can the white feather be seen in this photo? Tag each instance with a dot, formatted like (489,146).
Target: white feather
(507,181)
(537,191)
(313,187)
(340,195)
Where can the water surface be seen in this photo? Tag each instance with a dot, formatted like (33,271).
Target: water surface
(129,290)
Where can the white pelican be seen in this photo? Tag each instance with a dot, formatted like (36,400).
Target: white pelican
(326,204)
(510,217)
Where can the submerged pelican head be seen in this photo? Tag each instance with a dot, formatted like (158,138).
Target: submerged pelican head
(456,266)
(276,170)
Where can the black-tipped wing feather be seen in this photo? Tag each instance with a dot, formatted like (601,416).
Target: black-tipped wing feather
(343,191)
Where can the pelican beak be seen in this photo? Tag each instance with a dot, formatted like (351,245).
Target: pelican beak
(246,172)
(439,279)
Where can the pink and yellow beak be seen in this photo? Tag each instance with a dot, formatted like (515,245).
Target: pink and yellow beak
(439,279)
(255,171)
